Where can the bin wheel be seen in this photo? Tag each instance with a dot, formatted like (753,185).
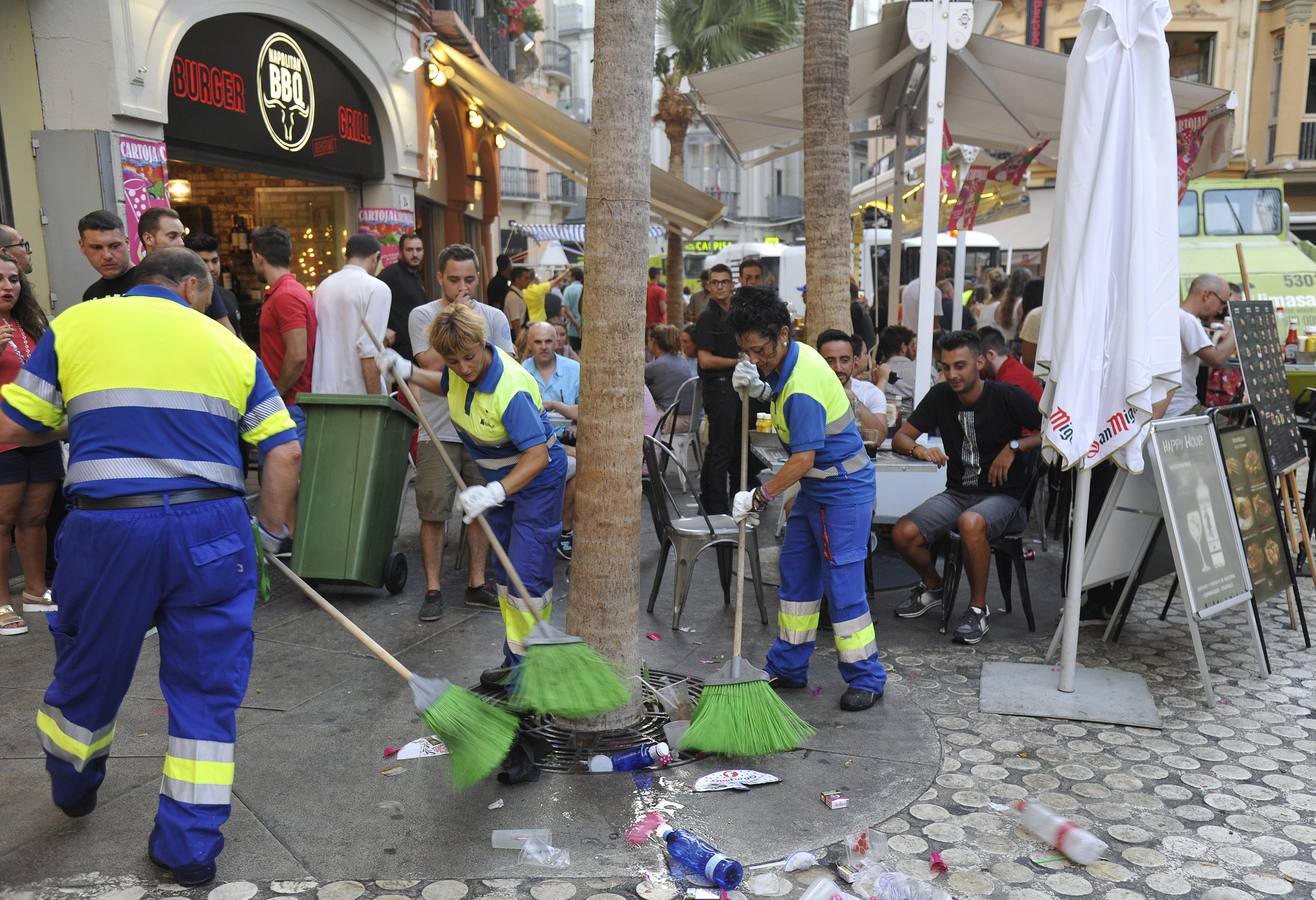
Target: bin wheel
(395,573)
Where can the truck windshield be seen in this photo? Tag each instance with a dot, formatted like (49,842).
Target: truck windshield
(1242,211)
(1188,215)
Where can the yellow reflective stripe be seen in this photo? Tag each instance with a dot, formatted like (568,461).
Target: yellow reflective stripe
(812,376)
(517,621)
(32,406)
(72,743)
(797,628)
(273,424)
(797,623)
(484,423)
(196,771)
(857,646)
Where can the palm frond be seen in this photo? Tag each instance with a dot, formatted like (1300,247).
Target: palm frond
(705,34)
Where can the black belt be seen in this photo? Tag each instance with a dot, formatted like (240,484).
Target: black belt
(146,501)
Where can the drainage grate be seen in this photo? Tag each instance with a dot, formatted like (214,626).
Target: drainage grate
(572,751)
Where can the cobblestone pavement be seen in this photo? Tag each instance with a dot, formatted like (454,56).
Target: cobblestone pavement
(1221,803)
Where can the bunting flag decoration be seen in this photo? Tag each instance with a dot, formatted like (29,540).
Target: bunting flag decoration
(1009,171)
(1189,129)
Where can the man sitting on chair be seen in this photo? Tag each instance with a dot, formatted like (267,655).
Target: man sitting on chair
(983,425)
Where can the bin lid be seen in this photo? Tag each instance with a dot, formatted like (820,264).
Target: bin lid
(357,400)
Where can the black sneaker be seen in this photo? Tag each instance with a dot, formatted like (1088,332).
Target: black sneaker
(564,542)
(921,599)
(972,626)
(431,608)
(482,597)
(858,699)
(785,684)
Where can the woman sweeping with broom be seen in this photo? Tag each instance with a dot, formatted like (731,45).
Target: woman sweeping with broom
(826,540)
(496,408)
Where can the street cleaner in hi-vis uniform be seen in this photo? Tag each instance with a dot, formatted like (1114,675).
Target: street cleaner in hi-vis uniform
(826,541)
(496,408)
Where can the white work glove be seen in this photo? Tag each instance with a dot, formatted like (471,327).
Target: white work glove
(477,498)
(272,543)
(393,367)
(746,379)
(742,509)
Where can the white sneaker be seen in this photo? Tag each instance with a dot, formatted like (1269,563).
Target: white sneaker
(42,603)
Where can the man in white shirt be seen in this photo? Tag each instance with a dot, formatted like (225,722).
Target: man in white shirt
(1206,299)
(909,297)
(459,278)
(842,352)
(344,353)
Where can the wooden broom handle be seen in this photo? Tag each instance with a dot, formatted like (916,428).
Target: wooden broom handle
(1242,271)
(497,546)
(740,542)
(352,628)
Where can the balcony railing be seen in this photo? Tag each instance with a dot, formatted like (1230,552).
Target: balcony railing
(784,206)
(1307,141)
(495,46)
(557,58)
(561,189)
(729,199)
(513,181)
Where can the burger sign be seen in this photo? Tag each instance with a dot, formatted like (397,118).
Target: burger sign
(287,92)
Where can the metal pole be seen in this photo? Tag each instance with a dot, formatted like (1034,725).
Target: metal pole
(957,296)
(1074,582)
(893,255)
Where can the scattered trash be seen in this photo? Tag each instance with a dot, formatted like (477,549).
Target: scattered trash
(497,804)
(422,748)
(643,827)
(521,764)
(641,757)
(393,808)
(1081,846)
(675,700)
(535,852)
(688,629)
(1050,859)
(515,838)
(391,751)
(698,855)
(769,884)
(733,780)
(898,884)
(654,636)
(936,864)
(392,770)
(675,730)
(801,860)
(850,873)
(834,800)
(865,846)
(817,692)
(642,782)
(1030,554)
(826,889)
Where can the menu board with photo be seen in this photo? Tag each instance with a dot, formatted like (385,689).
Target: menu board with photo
(1254,504)
(1199,513)
(1262,362)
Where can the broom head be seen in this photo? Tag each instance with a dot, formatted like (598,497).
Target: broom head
(477,734)
(739,714)
(561,675)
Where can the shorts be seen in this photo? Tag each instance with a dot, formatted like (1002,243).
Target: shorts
(938,515)
(25,465)
(571,466)
(435,488)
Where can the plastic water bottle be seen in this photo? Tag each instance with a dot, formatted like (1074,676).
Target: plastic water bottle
(641,757)
(1083,847)
(699,856)
(899,886)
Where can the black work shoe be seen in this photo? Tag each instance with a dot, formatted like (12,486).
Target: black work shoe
(482,597)
(496,678)
(431,608)
(785,684)
(82,809)
(972,626)
(187,876)
(565,540)
(921,599)
(857,699)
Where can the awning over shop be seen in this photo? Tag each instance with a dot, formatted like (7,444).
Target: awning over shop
(999,95)
(562,141)
(575,233)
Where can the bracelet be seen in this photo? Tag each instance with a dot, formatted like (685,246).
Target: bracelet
(761,498)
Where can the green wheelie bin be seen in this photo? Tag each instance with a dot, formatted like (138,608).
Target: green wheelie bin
(354,470)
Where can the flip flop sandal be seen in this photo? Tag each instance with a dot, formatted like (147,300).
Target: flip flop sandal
(11,622)
(39,603)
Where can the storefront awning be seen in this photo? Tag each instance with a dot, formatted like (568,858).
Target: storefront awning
(575,233)
(564,142)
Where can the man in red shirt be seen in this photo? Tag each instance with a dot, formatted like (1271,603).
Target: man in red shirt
(655,305)
(1003,367)
(287,326)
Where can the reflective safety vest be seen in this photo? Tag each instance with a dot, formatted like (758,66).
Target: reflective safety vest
(478,412)
(808,373)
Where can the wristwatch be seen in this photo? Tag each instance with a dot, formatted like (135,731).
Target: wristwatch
(1014,445)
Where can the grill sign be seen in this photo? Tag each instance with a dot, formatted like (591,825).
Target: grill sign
(287,93)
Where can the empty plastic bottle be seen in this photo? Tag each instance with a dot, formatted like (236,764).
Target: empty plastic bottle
(1083,847)
(899,886)
(699,856)
(641,757)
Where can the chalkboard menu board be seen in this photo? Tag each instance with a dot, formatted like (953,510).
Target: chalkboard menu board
(1199,513)
(1254,504)
(1267,386)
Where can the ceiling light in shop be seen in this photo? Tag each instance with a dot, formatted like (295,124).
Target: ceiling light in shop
(474,118)
(499,141)
(180,190)
(436,75)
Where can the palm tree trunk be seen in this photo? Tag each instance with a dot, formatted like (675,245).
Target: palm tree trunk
(676,114)
(605,589)
(826,165)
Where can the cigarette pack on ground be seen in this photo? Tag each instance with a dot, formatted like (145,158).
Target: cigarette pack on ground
(847,873)
(835,800)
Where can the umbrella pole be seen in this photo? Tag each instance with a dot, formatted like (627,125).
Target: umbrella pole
(894,256)
(957,300)
(1074,582)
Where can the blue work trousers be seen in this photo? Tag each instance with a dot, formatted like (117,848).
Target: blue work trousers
(190,571)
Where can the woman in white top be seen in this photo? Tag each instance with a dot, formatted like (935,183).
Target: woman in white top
(1008,316)
(996,283)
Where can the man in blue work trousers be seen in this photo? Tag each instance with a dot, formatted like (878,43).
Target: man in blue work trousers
(154,396)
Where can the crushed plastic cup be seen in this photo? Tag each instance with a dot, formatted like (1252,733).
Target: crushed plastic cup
(801,860)
(826,889)
(516,838)
(536,852)
(768,884)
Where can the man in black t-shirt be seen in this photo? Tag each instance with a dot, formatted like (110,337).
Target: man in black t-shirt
(496,293)
(985,427)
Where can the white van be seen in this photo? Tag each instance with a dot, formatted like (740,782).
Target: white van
(982,251)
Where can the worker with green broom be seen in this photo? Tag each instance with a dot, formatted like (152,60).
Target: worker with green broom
(826,542)
(496,408)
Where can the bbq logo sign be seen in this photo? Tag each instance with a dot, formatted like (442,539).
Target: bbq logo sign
(287,92)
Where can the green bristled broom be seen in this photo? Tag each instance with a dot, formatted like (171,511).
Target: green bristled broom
(739,714)
(559,674)
(477,734)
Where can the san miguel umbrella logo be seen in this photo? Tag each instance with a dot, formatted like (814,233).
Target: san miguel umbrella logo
(287,93)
